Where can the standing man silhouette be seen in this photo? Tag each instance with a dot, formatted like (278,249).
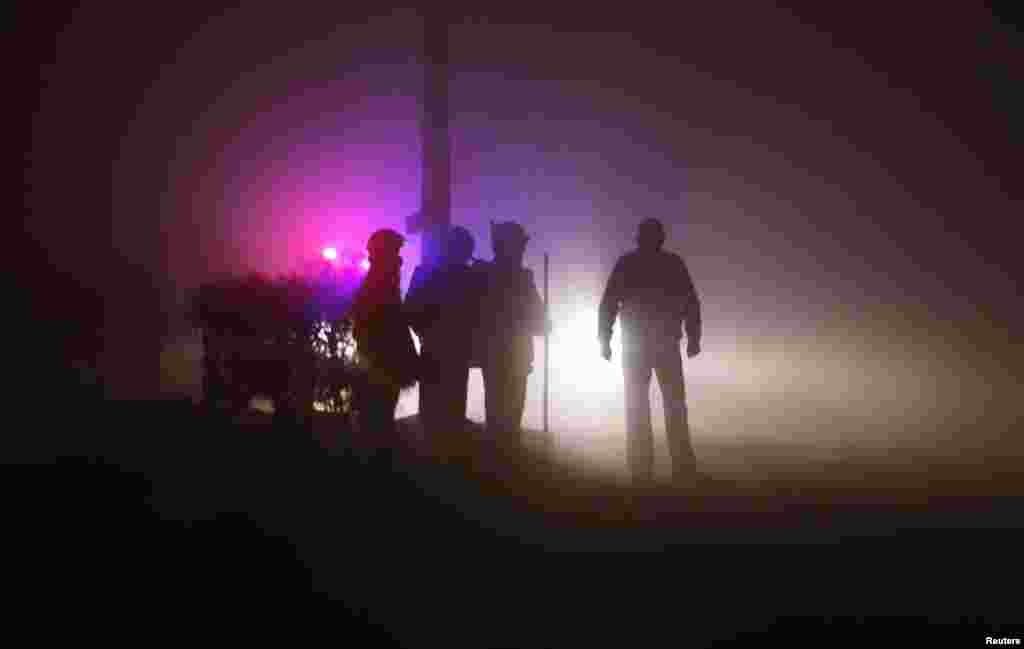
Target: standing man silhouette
(652,293)
(443,307)
(385,350)
(511,314)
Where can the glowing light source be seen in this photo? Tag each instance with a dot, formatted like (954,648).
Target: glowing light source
(575,356)
(364,265)
(330,253)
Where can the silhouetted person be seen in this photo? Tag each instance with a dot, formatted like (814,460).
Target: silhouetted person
(511,314)
(653,294)
(443,307)
(385,350)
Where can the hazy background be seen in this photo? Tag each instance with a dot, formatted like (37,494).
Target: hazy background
(841,183)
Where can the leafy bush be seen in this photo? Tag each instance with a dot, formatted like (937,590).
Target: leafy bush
(288,338)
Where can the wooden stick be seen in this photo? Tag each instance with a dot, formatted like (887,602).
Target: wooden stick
(547,344)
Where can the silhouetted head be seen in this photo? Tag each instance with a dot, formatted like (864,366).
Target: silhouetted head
(650,234)
(509,241)
(383,247)
(459,245)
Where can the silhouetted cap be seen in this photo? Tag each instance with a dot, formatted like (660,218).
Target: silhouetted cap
(509,232)
(650,232)
(384,242)
(652,226)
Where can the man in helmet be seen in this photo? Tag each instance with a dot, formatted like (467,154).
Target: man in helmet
(511,315)
(385,350)
(442,304)
(653,294)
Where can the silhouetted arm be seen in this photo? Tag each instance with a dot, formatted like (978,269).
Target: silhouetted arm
(610,302)
(691,305)
(359,312)
(416,306)
(360,309)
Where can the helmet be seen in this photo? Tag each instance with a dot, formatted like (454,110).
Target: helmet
(459,244)
(508,233)
(651,232)
(384,243)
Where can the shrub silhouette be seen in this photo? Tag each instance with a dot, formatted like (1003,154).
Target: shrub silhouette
(288,338)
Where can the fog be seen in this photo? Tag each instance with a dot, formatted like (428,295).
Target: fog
(837,198)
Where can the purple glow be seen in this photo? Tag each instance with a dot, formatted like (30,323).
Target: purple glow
(330,254)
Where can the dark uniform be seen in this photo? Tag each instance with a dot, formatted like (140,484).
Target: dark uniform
(652,293)
(385,351)
(512,313)
(443,307)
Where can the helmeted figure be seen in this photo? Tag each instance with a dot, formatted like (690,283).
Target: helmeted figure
(511,314)
(652,293)
(443,307)
(385,351)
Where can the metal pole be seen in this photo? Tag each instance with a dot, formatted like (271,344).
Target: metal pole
(435,211)
(547,346)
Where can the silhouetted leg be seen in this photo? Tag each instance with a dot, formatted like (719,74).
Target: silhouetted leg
(377,417)
(455,382)
(459,387)
(512,414)
(451,395)
(639,434)
(492,400)
(504,400)
(431,395)
(445,406)
(673,394)
(496,402)
(517,404)
(387,414)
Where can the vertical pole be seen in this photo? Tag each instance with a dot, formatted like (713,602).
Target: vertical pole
(547,346)
(435,210)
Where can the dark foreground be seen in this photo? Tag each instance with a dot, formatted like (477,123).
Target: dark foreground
(180,523)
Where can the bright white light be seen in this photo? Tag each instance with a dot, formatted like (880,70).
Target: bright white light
(576,356)
(587,406)
(330,253)
(364,265)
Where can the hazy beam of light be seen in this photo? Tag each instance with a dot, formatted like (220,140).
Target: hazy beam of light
(754,400)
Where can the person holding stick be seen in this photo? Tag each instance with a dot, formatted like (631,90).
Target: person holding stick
(511,314)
